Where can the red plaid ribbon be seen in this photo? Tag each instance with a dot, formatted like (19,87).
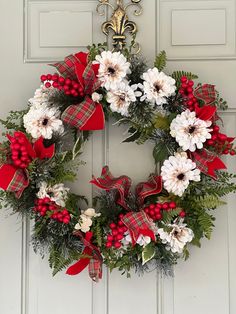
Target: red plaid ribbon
(67,67)
(152,187)
(139,224)
(206,93)
(107,182)
(16,180)
(78,115)
(207,162)
(94,261)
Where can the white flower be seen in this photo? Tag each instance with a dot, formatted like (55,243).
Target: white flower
(40,96)
(43,121)
(177,172)
(86,219)
(189,131)
(84,224)
(96,97)
(177,238)
(121,97)
(113,68)
(57,193)
(142,240)
(157,86)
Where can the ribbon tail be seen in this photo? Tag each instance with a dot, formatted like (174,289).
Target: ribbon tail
(79,266)
(216,164)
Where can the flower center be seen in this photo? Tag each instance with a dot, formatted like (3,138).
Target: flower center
(181,176)
(111,70)
(157,86)
(191,129)
(45,122)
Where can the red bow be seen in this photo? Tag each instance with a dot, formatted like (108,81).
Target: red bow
(86,115)
(92,258)
(14,178)
(207,162)
(137,222)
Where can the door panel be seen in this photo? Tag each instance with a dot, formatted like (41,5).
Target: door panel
(206,283)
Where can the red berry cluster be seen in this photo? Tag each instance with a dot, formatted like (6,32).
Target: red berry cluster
(19,152)
(186,90)
(221,142)
(117,234)
(154,211)
(70,87)
(46,206)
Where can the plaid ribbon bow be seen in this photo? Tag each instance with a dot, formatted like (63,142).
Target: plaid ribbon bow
(14,179)
(137,222)
(206,93)
(207,162)
(92,258)
(86,115)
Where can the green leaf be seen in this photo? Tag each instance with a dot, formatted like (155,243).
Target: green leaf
(160,152)
(160,61)
(77,147)
(148,253)
(178,74)
(162,122)
(132,137)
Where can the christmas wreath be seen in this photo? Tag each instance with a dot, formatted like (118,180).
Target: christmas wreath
(149,228)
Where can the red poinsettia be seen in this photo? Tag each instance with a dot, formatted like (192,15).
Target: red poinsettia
(14,174)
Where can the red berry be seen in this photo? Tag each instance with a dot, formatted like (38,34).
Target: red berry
(49,77)
(210,142)
(172,205)
(47,84)
(120,223)
(61,80)
(190,83)
(232,153)
(158,216)
(120,230)
(43,78)
(68,81)
(214,137)
(55,84)
(112,225)
(55,77)
(114,232)
(109,245)
(184,79)
(216,128)
(152,206)
(225,152)
(182,214)
(157,210)
(119,237)
(152,213)
(109,238)
(117,245)
(165,206)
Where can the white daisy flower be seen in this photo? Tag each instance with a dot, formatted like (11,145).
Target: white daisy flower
(121,97)
(157,86)
(177,238)
(113,68)
(40,96)
(86,219)
(189,131)
(57,193)
(177,172)
(43,121)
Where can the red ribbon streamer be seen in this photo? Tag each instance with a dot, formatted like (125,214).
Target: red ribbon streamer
(92,259)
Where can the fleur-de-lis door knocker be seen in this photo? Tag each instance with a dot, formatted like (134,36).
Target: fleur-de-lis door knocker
(119,22)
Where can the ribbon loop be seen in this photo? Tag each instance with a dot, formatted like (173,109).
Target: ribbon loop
(206,93)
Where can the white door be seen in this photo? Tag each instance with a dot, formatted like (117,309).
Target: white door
(198,36)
